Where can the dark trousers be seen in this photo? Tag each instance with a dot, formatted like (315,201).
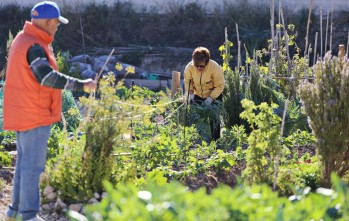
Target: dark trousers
(215,131)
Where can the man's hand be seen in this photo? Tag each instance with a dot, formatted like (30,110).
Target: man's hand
(90,86)
(208,101)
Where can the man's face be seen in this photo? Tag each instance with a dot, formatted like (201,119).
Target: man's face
(52,26)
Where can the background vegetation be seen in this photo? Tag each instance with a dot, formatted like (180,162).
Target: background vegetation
(183,26)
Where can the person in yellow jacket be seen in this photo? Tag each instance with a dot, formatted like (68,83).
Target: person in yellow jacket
(33,102)
(204,81)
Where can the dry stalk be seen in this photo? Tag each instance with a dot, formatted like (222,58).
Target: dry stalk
(321,47)
(92,95)
(308,24)
(326,32)
(239,46)
(315,46)
(281,134)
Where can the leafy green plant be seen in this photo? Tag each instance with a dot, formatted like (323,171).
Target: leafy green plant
(159,200)
(5,157)
(201,115)
(233,138)
(264,146)
(64,168)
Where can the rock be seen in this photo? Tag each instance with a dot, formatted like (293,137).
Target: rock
(48,190)
(98,65)
(79,66)
(88,74)
(97,196)
(103,58)
(60,204)
(84,58)
(51,196)
(104,195)
(93,201)
(76,207)
(46,207)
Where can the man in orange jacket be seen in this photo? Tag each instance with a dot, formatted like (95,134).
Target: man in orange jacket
(33,102)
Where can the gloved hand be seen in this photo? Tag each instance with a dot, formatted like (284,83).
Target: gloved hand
(208,101)
(191,98)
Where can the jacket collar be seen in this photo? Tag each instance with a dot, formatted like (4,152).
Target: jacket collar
(33,30)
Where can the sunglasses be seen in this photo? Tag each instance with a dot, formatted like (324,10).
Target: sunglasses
(200,66)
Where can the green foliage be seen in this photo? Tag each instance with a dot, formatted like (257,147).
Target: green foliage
(232,98)
(70,111)
(5,158)
(2,184)
(7,138)
(158,200)
(200,115)
(299,173)
(263,141)
(104,131)
(296,118)
(326,104)
(299,138)
(234,138)
(64,166)
(251,82)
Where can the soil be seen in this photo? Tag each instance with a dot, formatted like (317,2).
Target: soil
(6,175)
(5,192)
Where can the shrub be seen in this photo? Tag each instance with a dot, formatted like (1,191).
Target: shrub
(327,106)
(264,147)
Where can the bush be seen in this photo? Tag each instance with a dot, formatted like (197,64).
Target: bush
(327,106)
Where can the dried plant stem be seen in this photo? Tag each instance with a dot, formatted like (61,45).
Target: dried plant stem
(281,134)
(321,40)
(226,45)
(308,24)
(326,36)
(315,46)
(92,95)
(272,27)
(239,46)
(286,45)
(347,46)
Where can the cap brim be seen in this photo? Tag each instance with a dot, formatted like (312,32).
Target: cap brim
(63,20)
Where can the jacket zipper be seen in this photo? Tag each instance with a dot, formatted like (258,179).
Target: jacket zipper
(201,86)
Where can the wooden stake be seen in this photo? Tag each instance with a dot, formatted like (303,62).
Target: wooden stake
(176,83)
(328,15)
(331,31)
(314,60)
(341,52)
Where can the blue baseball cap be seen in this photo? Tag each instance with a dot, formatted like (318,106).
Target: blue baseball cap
(47,10)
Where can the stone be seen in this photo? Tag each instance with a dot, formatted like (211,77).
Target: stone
(48,190)
(76,207)
(51,196)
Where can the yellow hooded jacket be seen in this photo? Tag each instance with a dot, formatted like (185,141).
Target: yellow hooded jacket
(206,83)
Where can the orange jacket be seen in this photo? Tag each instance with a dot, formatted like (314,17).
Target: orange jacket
(27,104)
